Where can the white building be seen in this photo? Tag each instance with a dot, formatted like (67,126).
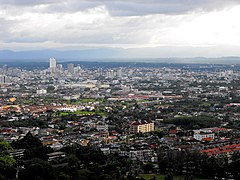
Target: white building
(202,136)
(59,69)
(41,91)
(101,126)
(52,65)
(110,74)
(70,68)
(4,79)
(119,73)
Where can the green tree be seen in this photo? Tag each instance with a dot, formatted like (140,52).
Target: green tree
(6,160)
(4,146)
(29,141)
(50,89)
(38,170)
(37,152)
(147,167)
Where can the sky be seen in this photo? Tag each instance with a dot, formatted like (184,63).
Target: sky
(140,28)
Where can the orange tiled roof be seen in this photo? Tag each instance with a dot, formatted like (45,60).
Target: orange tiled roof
(221,150)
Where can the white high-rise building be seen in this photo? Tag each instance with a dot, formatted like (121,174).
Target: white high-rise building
(52,65)
(59,68)
(70,68)
(119,73)
(4,80)
(110,74)
(78,70)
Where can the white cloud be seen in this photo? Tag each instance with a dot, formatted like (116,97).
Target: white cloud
(94,24)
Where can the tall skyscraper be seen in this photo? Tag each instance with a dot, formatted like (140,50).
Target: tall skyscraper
(4,80)
(70,68)
(5,69)
(52,65)
(119,73)
(59,69)
(78,70)
(110,74)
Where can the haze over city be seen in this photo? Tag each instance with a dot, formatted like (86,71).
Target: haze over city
(120,29)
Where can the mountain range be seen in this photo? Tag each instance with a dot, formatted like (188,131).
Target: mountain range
(112,55)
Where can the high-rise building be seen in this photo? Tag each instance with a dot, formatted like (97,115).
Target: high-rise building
(110,74)
(59,69)
(100,71)
(70,68)
(119,73)
(78,70)
(52,65)
(4,80)
(126,89)
(5,69)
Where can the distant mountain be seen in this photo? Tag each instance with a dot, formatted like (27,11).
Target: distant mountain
(106,54)
(62,55)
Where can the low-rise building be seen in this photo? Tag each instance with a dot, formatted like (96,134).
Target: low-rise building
(204,136)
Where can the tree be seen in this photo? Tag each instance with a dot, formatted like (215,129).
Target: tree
(6,160)
(4,145)
(147,167)
(37,152)
(86,174)
(169,176)
(38,170)
(234,169)
(50,89)
(29,141)
(154,178)
(63,176)
(7,170)
(193,122)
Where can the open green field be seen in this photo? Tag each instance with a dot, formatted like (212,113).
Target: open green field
(205,104)
(27,102)
(86,100)
(83,101)
(150,176)
(81,113)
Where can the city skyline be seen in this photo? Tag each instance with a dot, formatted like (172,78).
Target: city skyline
(121,29)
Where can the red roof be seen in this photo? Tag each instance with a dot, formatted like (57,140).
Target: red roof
(135,123)
(221,150)
(218,129)
(173,131)
(207,139)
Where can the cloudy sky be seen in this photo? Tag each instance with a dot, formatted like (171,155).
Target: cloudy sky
(154,28)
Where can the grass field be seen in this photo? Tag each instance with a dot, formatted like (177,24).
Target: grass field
(83,101)
(205,104)
(149,176)
(81,113)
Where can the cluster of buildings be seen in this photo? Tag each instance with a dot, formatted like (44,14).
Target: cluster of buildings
(122,109)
